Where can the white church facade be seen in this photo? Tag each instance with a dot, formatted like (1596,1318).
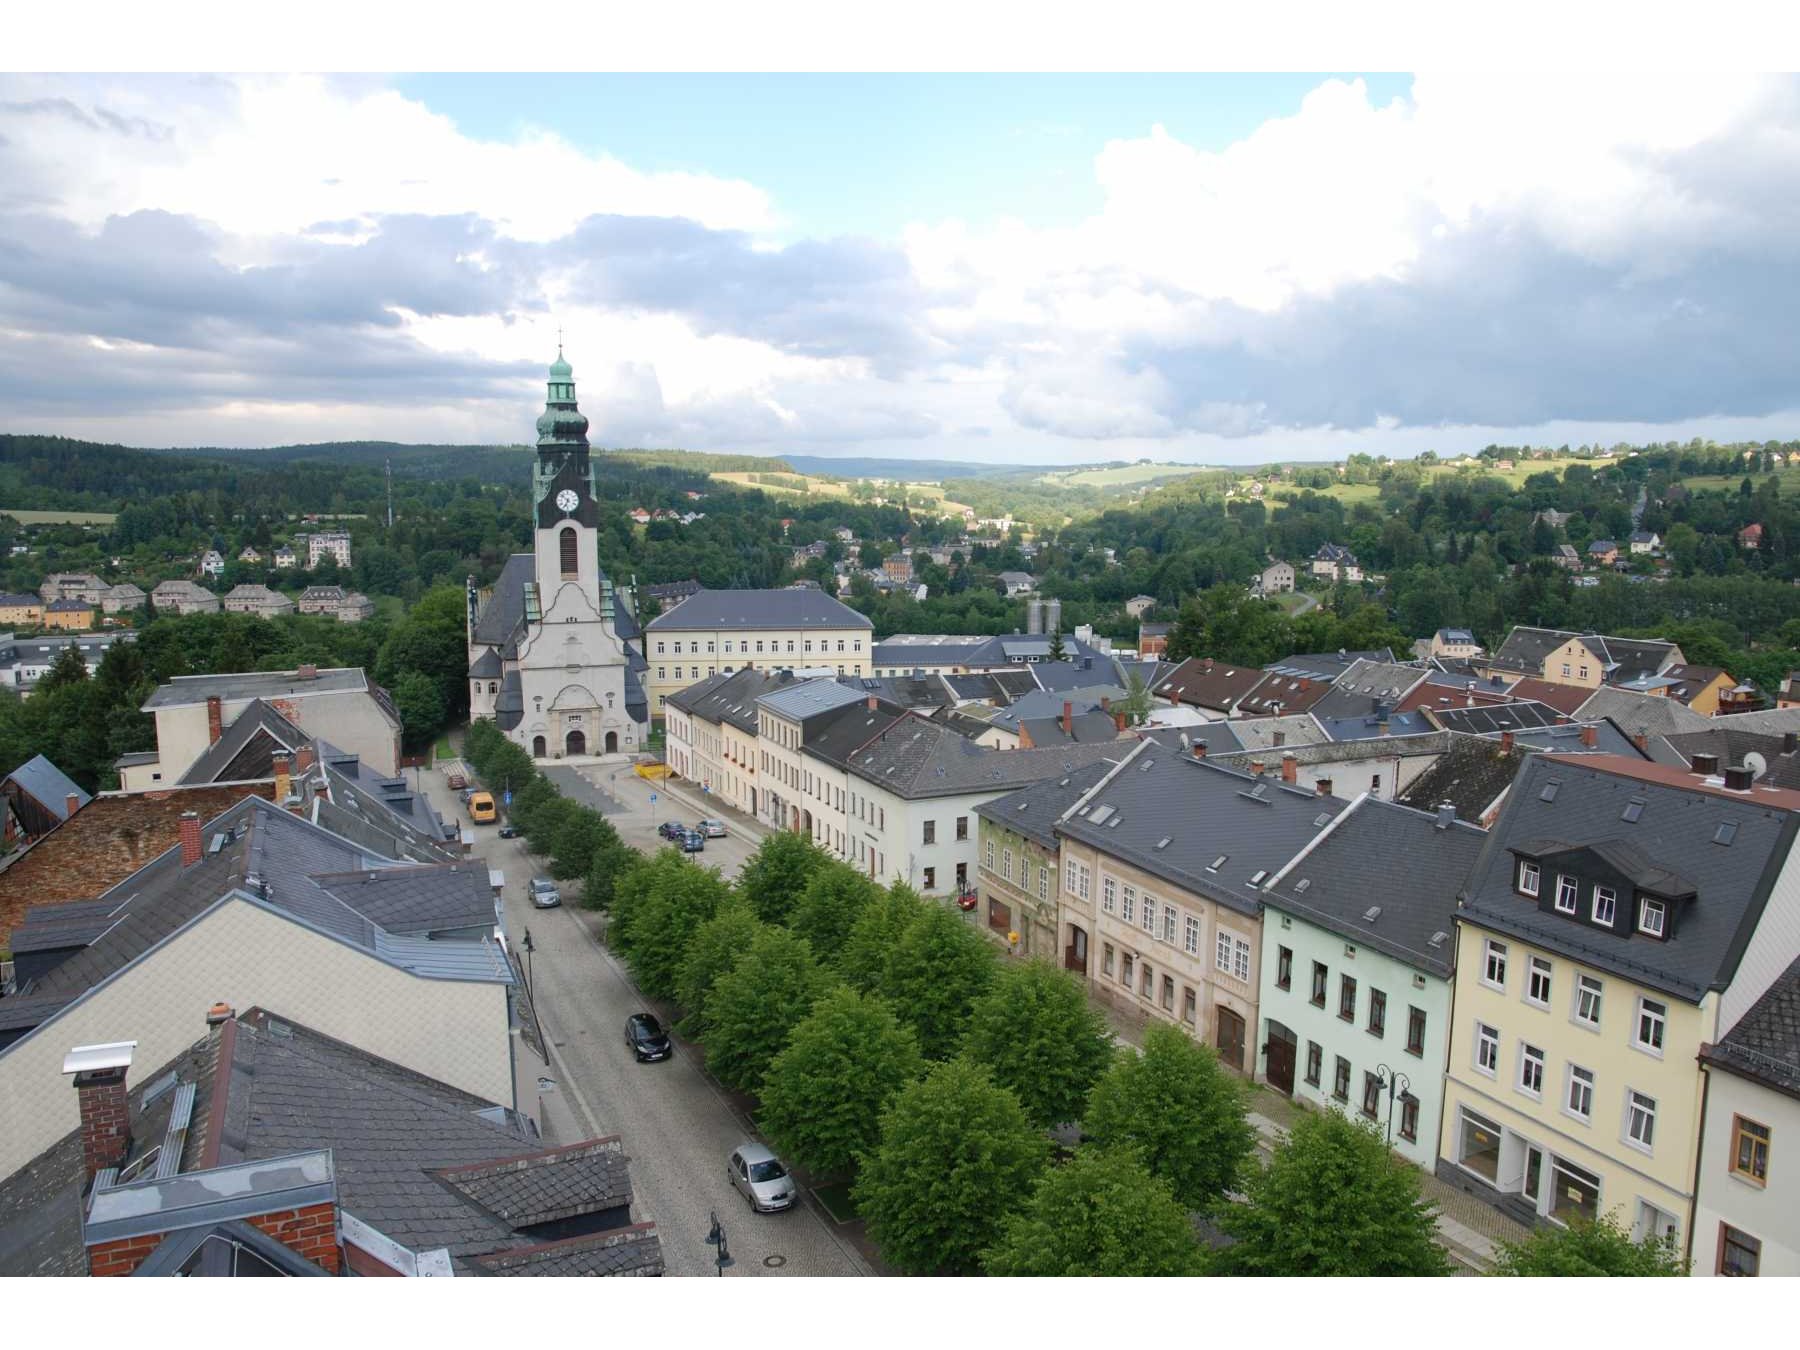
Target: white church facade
(550,657)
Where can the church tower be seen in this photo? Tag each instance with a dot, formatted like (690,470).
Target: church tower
(564,498)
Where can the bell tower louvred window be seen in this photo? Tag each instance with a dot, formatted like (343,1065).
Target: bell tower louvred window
(569,549)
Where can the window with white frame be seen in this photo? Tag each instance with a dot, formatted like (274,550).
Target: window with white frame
(1528,878)
(1043,883)
(1537,981)
(1006,864)
(1168,933)
(1190,941)
(1650,917)
(1493,968)
(1652,1017)
(1588,991)
(1240,959)
(1128,904)
(1531,1070)
(1149,918)
(1487,1049)
(1640,1120)
(987,853)
(1083,878)
(1109,895)
(1580,1102)
(1068,872)
(1567,890)
(1222,951)
(1606,905)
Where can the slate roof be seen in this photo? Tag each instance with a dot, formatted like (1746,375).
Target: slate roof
(1765,1043)
(1205,683)
(1327,666)
(69,606)
(626,1251)
(1401,866)
(915,758)
(1033,811)
(1622,659)
(486,666)
(184,690)
(1174,816)
(1565,698)
(1779,768)
(1491,717)
(1657,715)
(1365,685)
(48,786)
(504,611)
(1084,728)
(1260,733)
(983,688)
(1571,738)
(246,749)
(1472,774)
(807,698)
(1526,648)
(536,1188)
(1675,830)
(1220,738)
(1368,726)
(924,692)
(429,898)
(936,649)
(1049,703)
(836,734)
(729,698)
(1774,721)
(780,608)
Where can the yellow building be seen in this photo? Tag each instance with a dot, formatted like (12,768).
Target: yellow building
(1622,916)
(717,632)
(18,611)
(76,616)
(1586,660)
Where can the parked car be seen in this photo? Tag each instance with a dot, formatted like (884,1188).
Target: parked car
(509,831)
(544,894)
(671,829)
(647,1039)
(481,808)
(692,841)
(712,829)
(761,1178)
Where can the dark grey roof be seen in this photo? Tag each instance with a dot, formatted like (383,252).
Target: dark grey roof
(509,703)
(1384,876)
(1327,666)
(835,735)
(1350,750)
(1472,774)
(1572,739)
(1366,726)
(1034,810)
(1491,717)
(898,653)
(923,692)
(982,688)
(1765,1043)
(915,758)
(428,899)
(1675,829)
(730,698)
(1221,738)
(808,698)
(1084,668)
(1175,816)
(504,611)
(783,608)
(48,786)
(1654,713)
(486,666)
(1732,746)
(544,1187)
(1042,703)
(626,1251)
(1084,728)
(1525,648)
(1365,686)
(245,750)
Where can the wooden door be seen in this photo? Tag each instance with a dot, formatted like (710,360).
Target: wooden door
(1281,1062)
(1230,1038)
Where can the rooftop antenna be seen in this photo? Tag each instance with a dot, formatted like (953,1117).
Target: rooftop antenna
(390,491)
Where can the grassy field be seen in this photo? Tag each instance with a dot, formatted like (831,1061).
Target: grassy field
(1128,476)
(59,517)
(1788,480)
(807,486)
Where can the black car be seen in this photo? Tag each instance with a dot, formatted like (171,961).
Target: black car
(692,841)
(509,831)
(671,829)
(647,1039)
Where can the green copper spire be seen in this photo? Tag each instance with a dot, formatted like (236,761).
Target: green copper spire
(562,427)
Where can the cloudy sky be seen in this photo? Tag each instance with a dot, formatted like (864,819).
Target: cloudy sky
(1042,269)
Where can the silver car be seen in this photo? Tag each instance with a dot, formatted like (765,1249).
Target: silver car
(712,829)
(762,1179)
(544,894)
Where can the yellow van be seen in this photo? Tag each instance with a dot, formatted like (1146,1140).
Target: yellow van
(481,808)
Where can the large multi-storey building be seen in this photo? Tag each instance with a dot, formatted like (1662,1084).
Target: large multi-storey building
(717,632)
(549,653)
(333,544)
(1623,915)
(1019,871)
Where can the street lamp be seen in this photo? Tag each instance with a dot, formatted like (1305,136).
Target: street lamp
(1394,1084)
(716,1238)
(529,949)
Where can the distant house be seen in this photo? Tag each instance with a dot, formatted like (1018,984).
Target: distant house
(1018,583)
(122,599)
(285,557)
(1276,578)
(1153,640)
(1334,562)
(1456,643)
(332,543)
(258,600)
(321,599)
(73,615)
(212,563)
(183,597)
(1553,518)
(844,534)
(898,567)
(1751,536)
(21,609)
(640,516)
(38,797)
(249,554)
(71,586)
(1564,555)
(1705,689)
(1645,541)
(1504,465)
(355,608)
(1603,553)
(1138,604)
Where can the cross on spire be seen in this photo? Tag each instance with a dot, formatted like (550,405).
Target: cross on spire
(559,341)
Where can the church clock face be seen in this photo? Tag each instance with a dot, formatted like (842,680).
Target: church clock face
(567,500)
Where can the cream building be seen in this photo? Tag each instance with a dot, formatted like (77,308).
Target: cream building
(1623,916)
(717,632)
(783,716)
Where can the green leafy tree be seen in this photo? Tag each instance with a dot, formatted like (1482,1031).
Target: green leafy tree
(823,1096)
(717,947)
(1136,703)
(936,970)
(777,873)
(957,1157)
(876,933)
(577,838)
(1036,1030)
(1057,653)
(421,706)
(1603,1247)
(1334,1200)
(611,863)
(669,900)
(754,1007)
(1102,1214)
(1181,1110)
(829,907)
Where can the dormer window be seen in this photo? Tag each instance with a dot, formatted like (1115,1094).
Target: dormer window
(1651,917)
(1606,905)
(1566,889)
(1528,878)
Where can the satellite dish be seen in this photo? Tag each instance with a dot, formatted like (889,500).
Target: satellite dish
(1757,765)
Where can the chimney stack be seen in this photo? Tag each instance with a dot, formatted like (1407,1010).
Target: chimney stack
(871,703)
(71,804)
(1322,786)
(1590,736)
(99,1072)
(1068,718)
(284,779)
(1206,664)
(1642,740)
(307,672)
(215,725)
(1706,765)
(1290,768)
(1446,815)
(1199,749)
(1790,742)
(1506,742)
(1119,722)
(1738,778)
(219,1014)
(190,838)
(1257,767)
(303,758)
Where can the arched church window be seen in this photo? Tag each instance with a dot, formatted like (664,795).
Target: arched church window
(571,551)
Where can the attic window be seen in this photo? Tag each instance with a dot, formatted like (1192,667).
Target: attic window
(1146,766)
(1101,815)
(1725,833)
(1321,820)
(1438,939)
(1302,884)
(1549,792)
(1372,913)
(1256,878)
(1218,862)
(1633,809)
(1163,842)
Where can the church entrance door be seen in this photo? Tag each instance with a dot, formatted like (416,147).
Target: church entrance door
(612,742)
(576,744)
(538,748)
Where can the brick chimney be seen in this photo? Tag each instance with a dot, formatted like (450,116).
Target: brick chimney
(872,701)
(1290,768)
(215,725)
(1119,722)
(190,838)
(1590,736)
(1199,749)
(304,757)
(1257,767)
(1642,739)
(1068,718)
(1506,742)
(71,804)
(307,672)
(284,779)
(99,1072)
(1322,786)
